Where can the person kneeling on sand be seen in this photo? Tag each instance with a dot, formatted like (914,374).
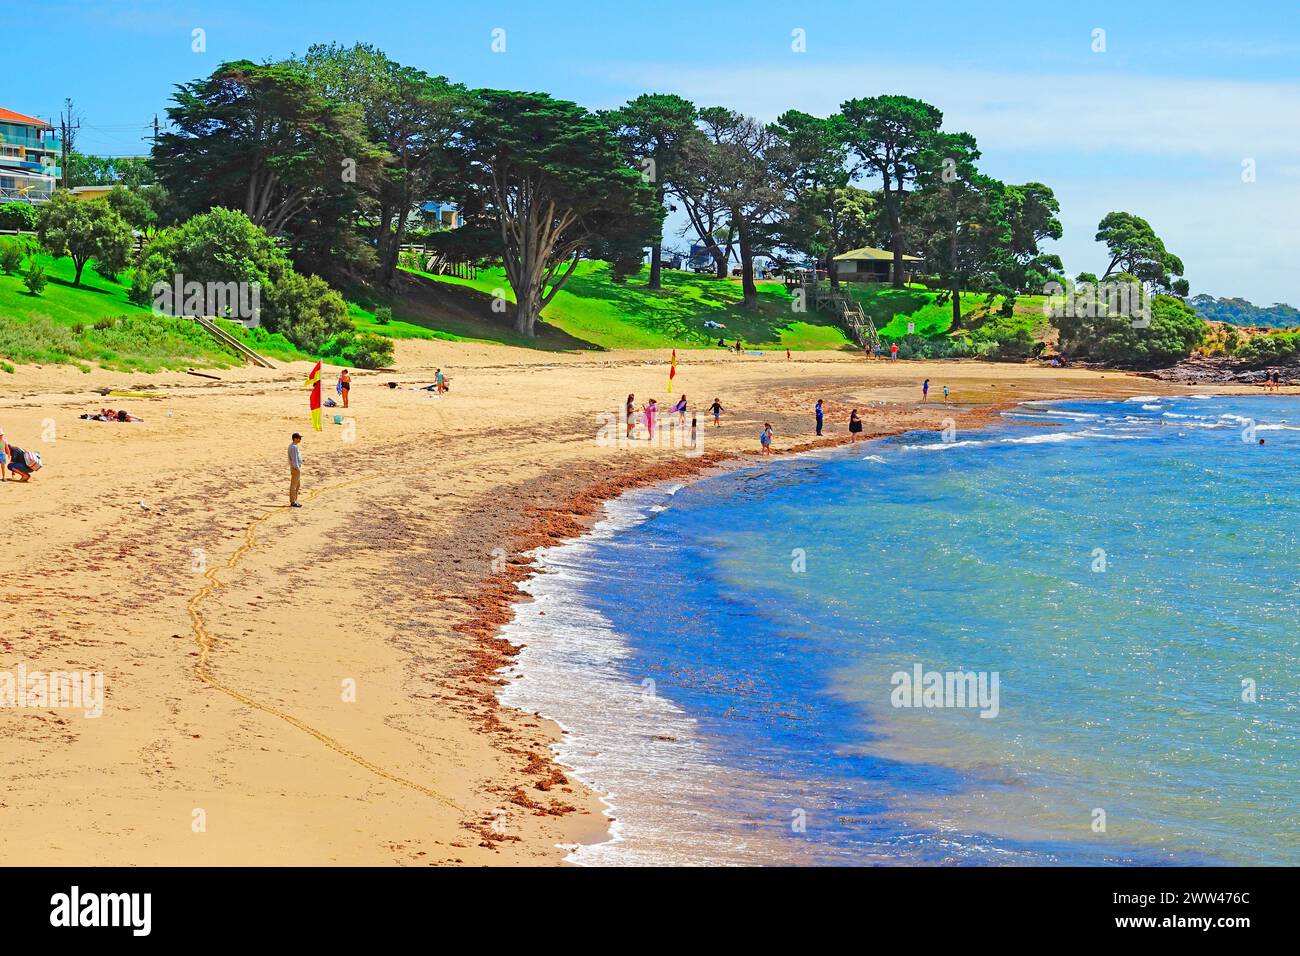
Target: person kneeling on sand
(22,463)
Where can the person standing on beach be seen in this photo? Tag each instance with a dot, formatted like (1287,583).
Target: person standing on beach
(716,410)
(631,416)
(650,409)
(765,439)
(345,385)
(945,394)
(787,355)
(818,412)
(680,409)
(925,390)
(893,351)
(295,469)
(855,425)
(4,456)
(439,382)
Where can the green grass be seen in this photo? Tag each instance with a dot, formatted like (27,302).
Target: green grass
(58,327)
(594,309)
(893,309)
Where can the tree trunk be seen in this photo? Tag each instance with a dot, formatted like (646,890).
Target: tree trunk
(657,254)
(79,264)
(830,270)
(896,238)
(526,315)
(747,285)
(956,306)
(720,260)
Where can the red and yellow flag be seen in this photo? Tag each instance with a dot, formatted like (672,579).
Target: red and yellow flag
(672,371)
(313,382)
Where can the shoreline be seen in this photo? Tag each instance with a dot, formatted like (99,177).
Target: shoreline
(576,517)
(400,577)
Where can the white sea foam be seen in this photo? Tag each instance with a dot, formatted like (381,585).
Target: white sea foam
(633,745)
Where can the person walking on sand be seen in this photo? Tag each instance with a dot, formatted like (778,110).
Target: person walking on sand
(818,412)
(925,390)
(439,382)
(765,439)
(680,409)
(893,352)
(716,410)
(650,409)
(295,470)
(344,386)
(855,425)
(787,355)
(692,431)
(631,416)
(945,394)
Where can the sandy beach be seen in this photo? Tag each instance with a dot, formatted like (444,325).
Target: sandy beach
(318,686)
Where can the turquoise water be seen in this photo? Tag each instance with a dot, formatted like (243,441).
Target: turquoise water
(724,654)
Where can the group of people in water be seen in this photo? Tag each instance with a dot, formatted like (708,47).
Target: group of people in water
(648,416)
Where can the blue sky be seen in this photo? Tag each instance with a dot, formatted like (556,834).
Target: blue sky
(1159,124)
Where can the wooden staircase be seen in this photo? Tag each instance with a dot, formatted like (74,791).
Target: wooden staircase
(845,308)
(228,340)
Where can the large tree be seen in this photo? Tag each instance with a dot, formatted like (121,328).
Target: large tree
(415,117)
(889,135)
(555,180)
(960,219)
(655,129)
(1136,250)
(826,215)
(743,150)
(1031,212)
(263,139)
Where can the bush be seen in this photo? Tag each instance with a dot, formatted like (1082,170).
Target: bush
(35,279)
(224,246)
(19,216)
(306,311)
(1175,331)
(363,351)
(383,315)
(11,257)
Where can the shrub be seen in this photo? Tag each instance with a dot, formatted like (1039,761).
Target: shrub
(11,257)
(383,315)
(19,216)
(306,311)
(224,246)
(363,351)
(1175,331)
(35,279)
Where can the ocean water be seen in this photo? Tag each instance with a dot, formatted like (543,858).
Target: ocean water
(727,657)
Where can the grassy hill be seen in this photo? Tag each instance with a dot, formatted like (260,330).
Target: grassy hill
(94,322)
(594,309)
(591,311)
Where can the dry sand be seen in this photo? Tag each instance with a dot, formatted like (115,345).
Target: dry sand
(230,628)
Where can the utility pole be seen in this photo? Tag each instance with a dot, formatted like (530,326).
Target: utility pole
(155,130)
(69,123)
